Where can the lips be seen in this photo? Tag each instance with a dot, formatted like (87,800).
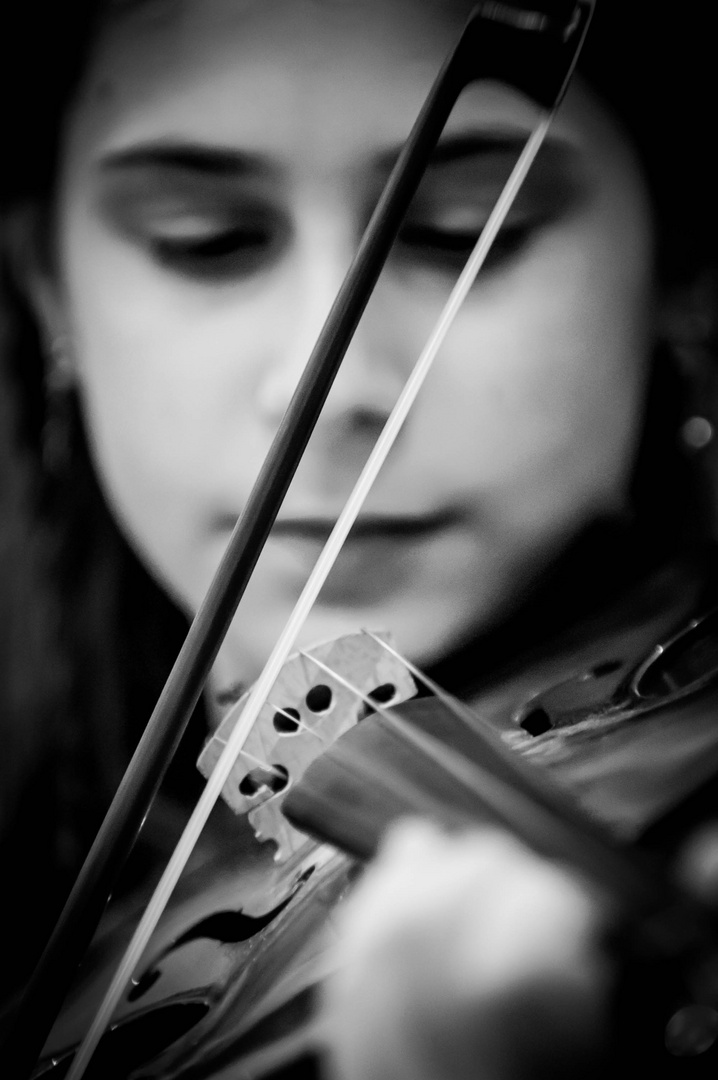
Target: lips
(368,527)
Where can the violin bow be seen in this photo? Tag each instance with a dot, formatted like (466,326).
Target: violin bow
(533,51)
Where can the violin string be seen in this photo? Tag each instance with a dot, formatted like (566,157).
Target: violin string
(512,805)
(300,724)
(460,767)
(293,719)
(286,641)
(456,763)
(296,721)
(457,707)
(262,764)
(354,690)
(257,761)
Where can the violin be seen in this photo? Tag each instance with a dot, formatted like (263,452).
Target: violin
(231,977)
(275,967)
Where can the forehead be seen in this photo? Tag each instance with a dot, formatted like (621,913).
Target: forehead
(265,70)
(315,86)
(309,30)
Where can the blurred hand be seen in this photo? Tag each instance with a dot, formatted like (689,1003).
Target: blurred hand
(697,864)
(467,956)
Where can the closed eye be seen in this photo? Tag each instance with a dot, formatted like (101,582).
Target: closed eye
(214,251)
(207,248)
(448,249)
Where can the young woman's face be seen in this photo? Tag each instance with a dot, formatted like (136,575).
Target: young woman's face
(220,164)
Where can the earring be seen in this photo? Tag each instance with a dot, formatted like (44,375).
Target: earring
(56,438)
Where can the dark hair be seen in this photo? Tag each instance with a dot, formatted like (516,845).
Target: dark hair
(653,66)
(92,637)
(91,641)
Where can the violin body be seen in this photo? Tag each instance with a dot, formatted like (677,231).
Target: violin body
(626,708)
(219,983)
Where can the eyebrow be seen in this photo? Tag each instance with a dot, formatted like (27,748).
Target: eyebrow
(225,162)
(462,145)
(193,157)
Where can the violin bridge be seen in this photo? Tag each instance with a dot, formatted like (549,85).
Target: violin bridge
(320,693)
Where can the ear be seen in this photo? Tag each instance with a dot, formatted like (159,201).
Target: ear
(26,239)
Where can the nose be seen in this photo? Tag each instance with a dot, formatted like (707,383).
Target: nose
(369,378)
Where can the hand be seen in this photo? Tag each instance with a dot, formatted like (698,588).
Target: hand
(697,864)
(467,956)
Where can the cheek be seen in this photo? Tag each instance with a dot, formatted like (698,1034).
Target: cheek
(164,395)
(165,363)
(537,397)
(144,398)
